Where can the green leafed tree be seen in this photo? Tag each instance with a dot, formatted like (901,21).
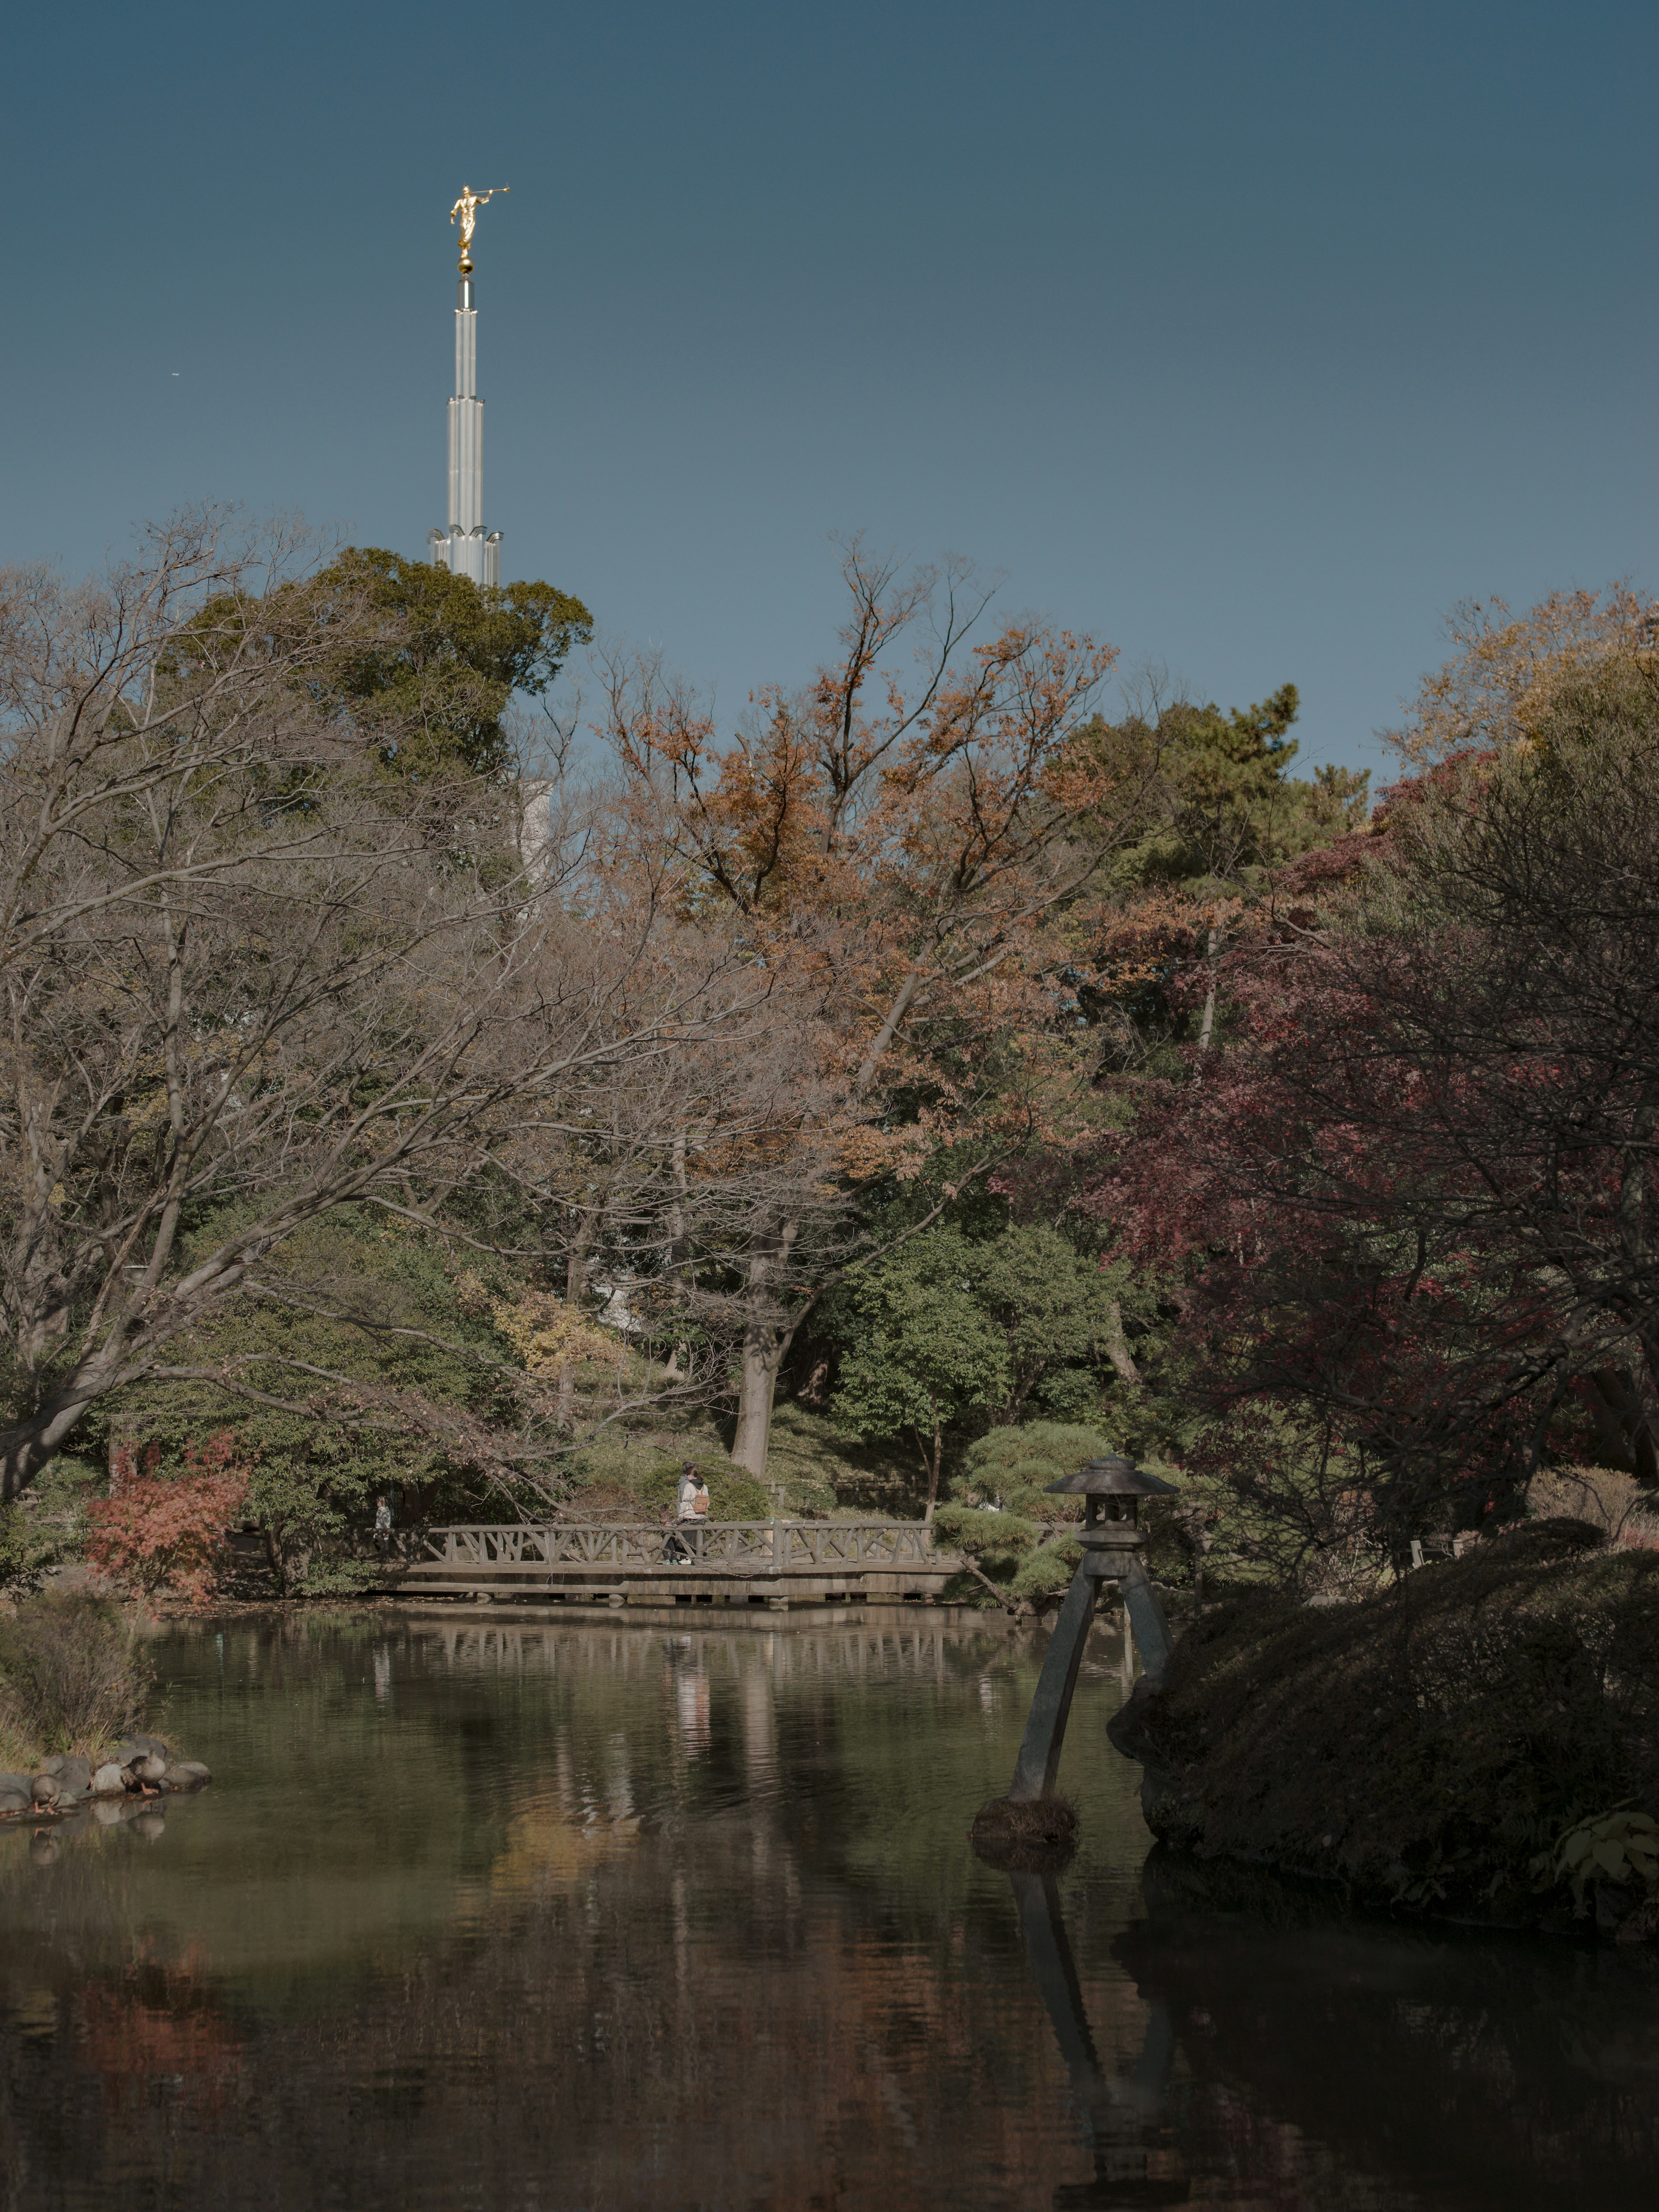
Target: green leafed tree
(449,656)
(1230,806)
(953,1332)
(1002,1515)
(922,1350)
(1060,1317)
(338,1381)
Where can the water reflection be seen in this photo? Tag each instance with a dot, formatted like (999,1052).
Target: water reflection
(519,1915)
(1123,2116)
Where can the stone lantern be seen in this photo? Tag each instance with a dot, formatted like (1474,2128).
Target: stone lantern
(1112,1488)
(1112,1540)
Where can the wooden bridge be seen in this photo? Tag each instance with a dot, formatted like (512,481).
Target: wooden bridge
(774,1563)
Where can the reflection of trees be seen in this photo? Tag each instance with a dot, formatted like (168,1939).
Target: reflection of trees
(567,1948)
(682,2018)
(712,1940)
(159,2022)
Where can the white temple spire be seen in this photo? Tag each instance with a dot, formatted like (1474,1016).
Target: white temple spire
(466,548)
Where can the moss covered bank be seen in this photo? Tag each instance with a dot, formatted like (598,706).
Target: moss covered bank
(1480,1742)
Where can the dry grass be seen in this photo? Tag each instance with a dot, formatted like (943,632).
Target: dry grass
(1037,1836)
(73,1675)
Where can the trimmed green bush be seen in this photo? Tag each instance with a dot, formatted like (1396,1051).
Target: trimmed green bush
(1000,1512)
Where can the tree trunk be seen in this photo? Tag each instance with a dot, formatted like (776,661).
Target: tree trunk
(759,1384)
(1207,1025)
(1622,1429)
(28,1449)
(1117,1346)
(575,1289)
(677,1248)
(766,1335)
(935,1468)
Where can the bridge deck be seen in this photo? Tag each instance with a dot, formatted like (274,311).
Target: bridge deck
(774,1560)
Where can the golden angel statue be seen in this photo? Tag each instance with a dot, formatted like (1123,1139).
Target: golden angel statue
(465,212)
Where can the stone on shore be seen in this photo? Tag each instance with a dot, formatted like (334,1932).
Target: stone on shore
(186,1774)
(110,1780)
(73,1779)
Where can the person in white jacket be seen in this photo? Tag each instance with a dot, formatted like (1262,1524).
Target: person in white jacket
(687,1515)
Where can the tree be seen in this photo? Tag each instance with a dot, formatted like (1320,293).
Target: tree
(247,964)
(1002,1515)
(168,1534)
(440,668)
(895,851)
(1416,1193)
(925,1353)
(1060,1312)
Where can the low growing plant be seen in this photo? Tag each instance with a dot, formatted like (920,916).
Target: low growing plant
(73,1674)
(1612,1846)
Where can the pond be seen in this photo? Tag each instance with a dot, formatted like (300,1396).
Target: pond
(504,1915)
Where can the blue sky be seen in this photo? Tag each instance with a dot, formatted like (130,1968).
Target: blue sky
(1250,337)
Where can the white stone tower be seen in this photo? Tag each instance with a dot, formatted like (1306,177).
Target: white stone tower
(466,548)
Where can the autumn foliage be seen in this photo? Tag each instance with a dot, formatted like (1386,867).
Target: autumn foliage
(1407,1203)
(156,1533)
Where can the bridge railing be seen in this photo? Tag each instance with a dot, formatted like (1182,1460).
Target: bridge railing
(757,1547)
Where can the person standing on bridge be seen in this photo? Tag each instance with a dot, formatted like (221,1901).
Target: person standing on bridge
(677,1552)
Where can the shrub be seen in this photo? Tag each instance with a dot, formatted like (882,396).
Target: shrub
(1001,1514)
(155,1533)
(14,1547)
(733,1492)
(1599,1495)
(47,1527)
(72,1676)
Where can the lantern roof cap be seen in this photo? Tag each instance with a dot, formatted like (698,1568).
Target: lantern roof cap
(1114,1477)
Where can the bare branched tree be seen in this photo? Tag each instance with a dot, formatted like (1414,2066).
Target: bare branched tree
(253,968)
(892,841)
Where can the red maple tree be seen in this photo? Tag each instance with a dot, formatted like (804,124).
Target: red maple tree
(156,1532)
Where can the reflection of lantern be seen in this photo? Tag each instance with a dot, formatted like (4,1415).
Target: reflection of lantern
(1125,2123)
(1117,1481)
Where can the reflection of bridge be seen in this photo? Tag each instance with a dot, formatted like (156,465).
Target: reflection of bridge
(773,1562)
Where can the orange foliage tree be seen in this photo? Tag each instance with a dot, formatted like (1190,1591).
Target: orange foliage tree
(892,851)
(156,1533)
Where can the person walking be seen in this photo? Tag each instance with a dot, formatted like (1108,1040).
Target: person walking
(686,1512)
(383,1524)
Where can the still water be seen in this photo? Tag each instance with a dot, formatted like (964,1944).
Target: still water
(559,1918)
